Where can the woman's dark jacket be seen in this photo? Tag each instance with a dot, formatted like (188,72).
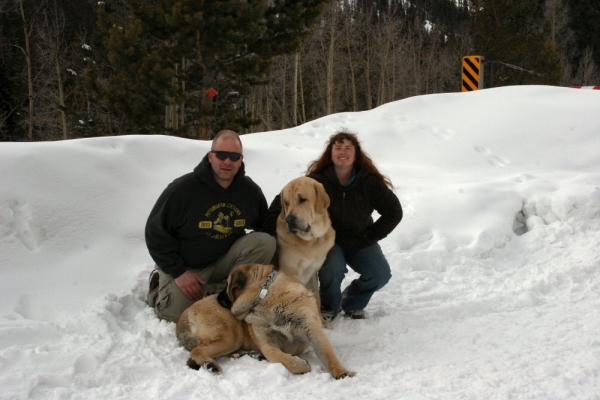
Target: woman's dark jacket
(351,209)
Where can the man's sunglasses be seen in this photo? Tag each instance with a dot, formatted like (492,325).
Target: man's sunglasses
(224,155)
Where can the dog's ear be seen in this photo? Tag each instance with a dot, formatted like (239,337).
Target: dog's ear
(224,300)
(236,283)
(322,198)
(283,203)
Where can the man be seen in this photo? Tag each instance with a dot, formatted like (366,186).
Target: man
(196,232)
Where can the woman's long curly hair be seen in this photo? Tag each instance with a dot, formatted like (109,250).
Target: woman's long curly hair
(362,159)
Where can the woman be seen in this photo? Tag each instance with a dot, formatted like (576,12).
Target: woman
(356,189)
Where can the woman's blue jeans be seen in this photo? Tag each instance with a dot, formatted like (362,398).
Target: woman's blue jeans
(374,272)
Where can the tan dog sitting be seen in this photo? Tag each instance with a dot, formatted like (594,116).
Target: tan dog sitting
(261,310)
(304,231)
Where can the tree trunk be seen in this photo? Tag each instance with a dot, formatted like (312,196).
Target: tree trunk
(61,98)
(330,61)
(368,74)
(283,105)
(295,91)
(269,117)
(182,105)
(302,98)
(384,52)
(352,73)
(27,51)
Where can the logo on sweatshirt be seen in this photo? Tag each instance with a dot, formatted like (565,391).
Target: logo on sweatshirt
(222,218)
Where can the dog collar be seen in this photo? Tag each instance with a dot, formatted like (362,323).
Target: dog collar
(264,288)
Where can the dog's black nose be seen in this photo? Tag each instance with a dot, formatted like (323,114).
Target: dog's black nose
(292,223)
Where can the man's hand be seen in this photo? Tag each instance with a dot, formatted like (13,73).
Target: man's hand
(190,284)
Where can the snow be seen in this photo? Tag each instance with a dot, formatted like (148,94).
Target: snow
(496,265)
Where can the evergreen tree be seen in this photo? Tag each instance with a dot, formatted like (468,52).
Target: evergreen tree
(163,55)
(514,35)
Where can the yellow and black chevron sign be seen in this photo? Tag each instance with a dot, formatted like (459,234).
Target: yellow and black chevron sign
(472,73)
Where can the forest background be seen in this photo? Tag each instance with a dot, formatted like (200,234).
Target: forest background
(83,68)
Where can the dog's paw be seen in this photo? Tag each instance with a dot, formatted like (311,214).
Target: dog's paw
(212,367)
(240,312)
(257,355)
(192,364)
(344,374)
(299,366)
(254,354)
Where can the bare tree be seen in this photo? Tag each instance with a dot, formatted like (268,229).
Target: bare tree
(55,77)
(331,58)
(28,35)
(56,47)
(349,45)
(295,89)
(8,105)
(557,16)
(588,73)
(390,47)
(43,48)
(367,56)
